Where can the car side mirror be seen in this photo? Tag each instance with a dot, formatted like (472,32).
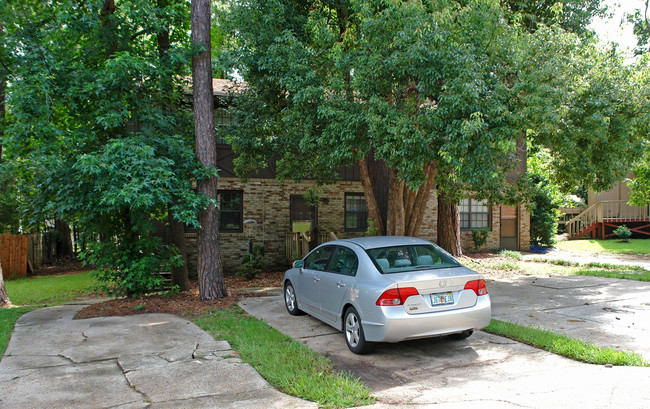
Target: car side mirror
(298,264)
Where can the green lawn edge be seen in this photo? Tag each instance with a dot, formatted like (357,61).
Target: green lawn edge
(286,364)
(563,345)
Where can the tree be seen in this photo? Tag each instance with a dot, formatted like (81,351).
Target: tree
(412,93)
(572,15)
(91,125)
(4,297)
(210,270)
(640,19)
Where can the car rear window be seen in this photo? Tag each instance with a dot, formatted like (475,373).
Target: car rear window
(398,259)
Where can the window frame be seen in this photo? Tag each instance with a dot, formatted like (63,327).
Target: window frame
(346,213)
(240,211)
(470,228)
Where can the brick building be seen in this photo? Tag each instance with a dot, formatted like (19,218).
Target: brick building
(274,213)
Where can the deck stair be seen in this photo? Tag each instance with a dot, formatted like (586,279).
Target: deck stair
(601,218)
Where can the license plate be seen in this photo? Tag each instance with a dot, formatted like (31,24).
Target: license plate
(442,299)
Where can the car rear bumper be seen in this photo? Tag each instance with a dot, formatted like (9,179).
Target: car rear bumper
(393,324)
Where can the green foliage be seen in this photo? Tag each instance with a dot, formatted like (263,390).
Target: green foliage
(544,200)
(312,196)
(371,230)
(253,263)
(641,29)
(572,15)
(10,202)
(410,83)
(99,130)
(306,374)
(479,236)
(511,254)
(623,233)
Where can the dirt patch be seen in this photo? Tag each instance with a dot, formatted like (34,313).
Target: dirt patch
(185,304)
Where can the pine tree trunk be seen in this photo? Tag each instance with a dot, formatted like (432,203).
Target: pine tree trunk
(448,226)
(210,270)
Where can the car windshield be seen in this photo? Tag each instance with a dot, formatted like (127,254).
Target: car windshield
(398,259)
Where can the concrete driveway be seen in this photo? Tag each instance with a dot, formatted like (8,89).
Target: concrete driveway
(490,371)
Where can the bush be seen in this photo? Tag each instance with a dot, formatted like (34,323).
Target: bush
(253,263)
(511,254)
(623,233)
(480,237)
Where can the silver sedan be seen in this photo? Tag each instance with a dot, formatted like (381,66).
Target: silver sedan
(387,289)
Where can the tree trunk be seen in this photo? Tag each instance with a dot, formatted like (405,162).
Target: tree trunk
(395,223)
(4,297)
(448,226)
(177,238)
(210,270)
(63,239)
(392,206)
(374,215)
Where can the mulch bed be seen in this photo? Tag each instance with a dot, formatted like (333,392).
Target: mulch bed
(184,304)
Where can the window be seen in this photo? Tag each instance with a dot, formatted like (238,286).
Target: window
(318,259)
(344,262)
(231,210)
(222,120)
(474,214)
(399,259)
(356,212)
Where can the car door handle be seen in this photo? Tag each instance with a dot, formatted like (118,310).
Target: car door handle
(316,279)
(340,284)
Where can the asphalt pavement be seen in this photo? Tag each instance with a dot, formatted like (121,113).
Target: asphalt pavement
(162,361)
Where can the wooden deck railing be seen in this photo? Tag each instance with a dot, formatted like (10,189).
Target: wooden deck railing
(297,244)
(606,210)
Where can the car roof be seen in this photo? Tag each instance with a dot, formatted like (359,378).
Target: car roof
(383,241)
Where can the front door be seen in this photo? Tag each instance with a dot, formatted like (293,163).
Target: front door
(303,220)
(509,228)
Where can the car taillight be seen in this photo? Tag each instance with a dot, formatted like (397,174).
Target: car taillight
(478,286)
(396,296)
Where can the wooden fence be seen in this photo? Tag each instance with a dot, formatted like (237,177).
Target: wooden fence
(13,255)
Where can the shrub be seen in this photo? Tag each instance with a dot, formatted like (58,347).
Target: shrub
(511,254)
(253,263)
(623,233)
(480,237)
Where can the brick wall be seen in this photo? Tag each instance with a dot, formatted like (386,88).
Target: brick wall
(267,202)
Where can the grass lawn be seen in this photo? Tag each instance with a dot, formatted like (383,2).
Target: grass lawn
(615,246)
(27,294)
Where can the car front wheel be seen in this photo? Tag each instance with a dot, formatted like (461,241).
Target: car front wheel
(290,300)
(354,336)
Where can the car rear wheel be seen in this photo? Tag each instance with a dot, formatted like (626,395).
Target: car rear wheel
(290,300)
(462,335)
(354,336)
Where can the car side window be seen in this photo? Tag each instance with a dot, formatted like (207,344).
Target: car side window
(344,262)
(318,259)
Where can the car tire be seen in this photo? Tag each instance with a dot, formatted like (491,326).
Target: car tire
(462,335)
(290,300)
(353,331)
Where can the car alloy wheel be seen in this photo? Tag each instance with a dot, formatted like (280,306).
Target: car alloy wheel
(290,300)
(354,335)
